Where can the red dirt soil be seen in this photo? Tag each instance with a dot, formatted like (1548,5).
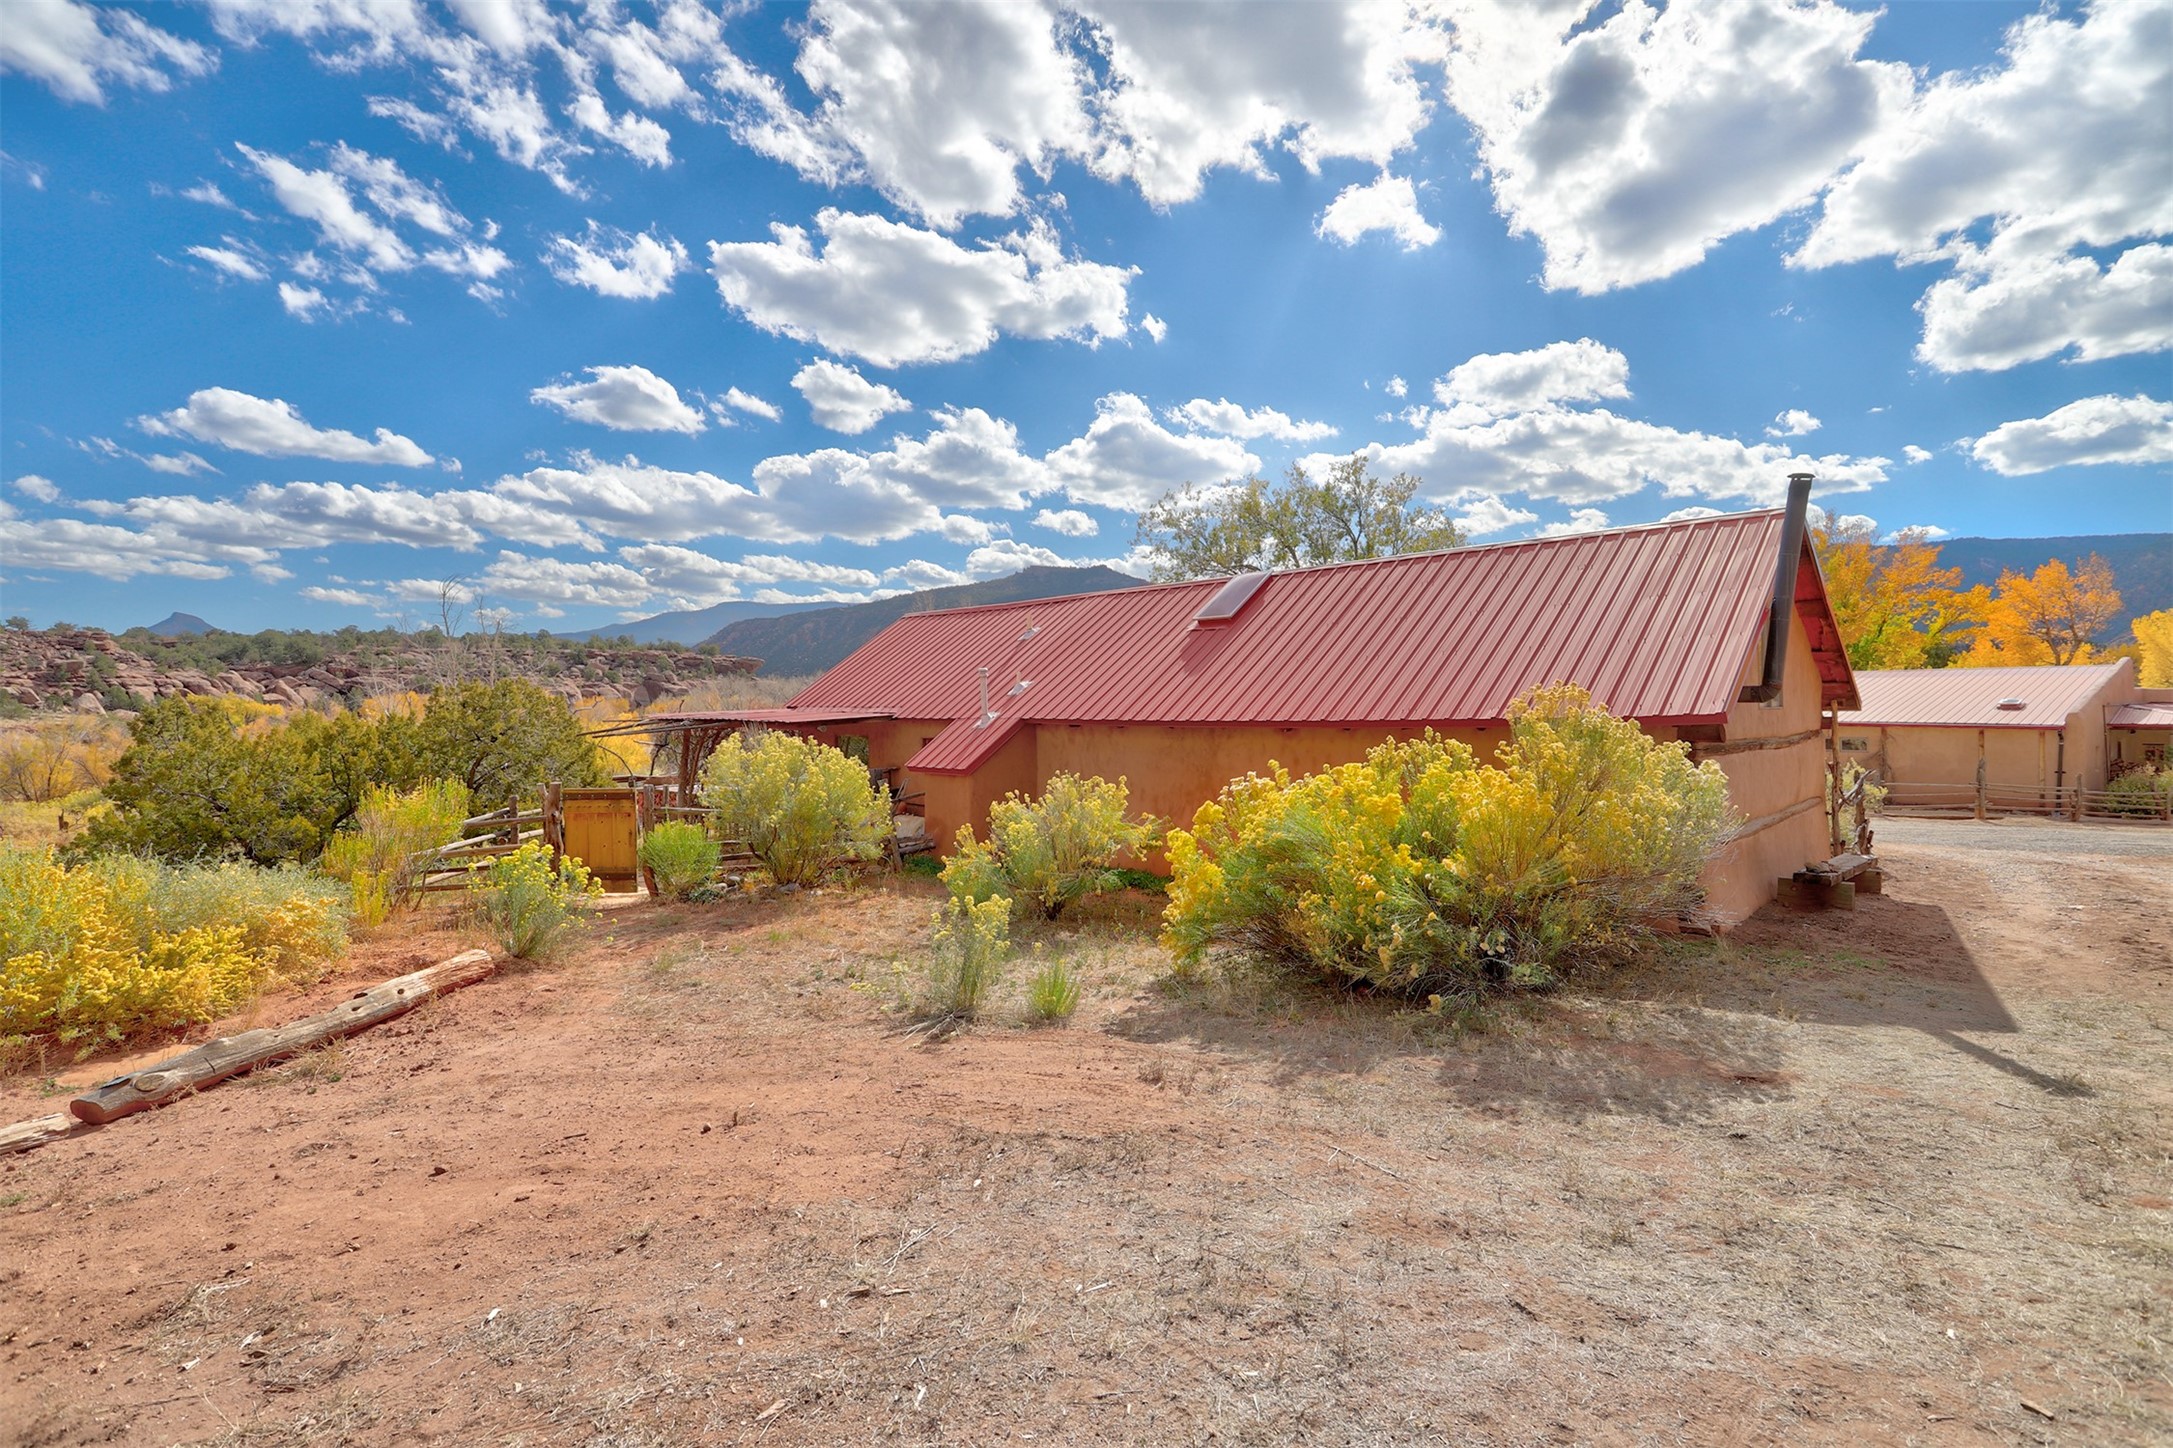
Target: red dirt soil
(1881,1176)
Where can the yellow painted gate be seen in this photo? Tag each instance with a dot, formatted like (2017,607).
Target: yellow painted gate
(602,832)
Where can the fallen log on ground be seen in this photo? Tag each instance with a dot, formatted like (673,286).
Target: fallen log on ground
(24,1135)
(231,1055)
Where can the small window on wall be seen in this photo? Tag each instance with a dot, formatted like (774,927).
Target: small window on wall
(855,746)
(1855,746)
(2154,754)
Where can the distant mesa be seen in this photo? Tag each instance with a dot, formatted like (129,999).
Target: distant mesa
(180,623)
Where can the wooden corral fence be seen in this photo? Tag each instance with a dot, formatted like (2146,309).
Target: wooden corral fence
(1983,800)
(602,828)
(484,838)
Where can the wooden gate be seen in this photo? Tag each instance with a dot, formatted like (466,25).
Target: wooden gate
(602,830)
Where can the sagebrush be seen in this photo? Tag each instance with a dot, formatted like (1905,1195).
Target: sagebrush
(799,805)
(1049,850)
(1423,871)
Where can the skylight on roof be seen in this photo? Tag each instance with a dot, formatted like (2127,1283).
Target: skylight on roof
(1232,597)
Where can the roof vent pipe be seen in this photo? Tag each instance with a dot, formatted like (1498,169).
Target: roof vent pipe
(985,715)
(1768,688)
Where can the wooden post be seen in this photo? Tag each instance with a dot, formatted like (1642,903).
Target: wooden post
(646,815)
(1980,775)
(1833,770)
(554,821)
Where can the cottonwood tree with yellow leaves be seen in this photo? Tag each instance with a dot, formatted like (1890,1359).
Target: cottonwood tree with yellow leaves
(1897,608)
(2051,616)
(2154,649)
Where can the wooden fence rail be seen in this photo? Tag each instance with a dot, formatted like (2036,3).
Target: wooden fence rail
(1985,800)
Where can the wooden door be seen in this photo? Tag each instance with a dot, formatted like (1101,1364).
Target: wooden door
(601,833)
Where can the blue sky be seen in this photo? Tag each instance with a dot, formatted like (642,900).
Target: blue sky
(316,308)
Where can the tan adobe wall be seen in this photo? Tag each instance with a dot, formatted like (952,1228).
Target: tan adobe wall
(1172,770)
(1764,783)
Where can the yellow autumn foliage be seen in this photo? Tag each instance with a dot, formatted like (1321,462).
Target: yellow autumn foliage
(124,946)
(1420,869)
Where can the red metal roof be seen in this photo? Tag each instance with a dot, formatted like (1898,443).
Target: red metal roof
(2050,695)
(1657,621)
(2140,716)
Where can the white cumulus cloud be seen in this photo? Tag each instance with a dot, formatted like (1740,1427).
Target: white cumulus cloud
(625,399)
(1794,422)
(894,294)
(1388,204)
(1126,459)
(1630,147)
(1232,420)
(1499,382)
(844,401)
(614,263)
(2015,173)
(2134,430)
(753,406)
(270,427)
(1068,521)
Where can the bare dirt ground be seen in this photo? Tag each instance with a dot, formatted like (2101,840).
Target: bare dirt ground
(1902,1175)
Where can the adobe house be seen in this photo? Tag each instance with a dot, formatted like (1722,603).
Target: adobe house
(2038,733)
(1181,687)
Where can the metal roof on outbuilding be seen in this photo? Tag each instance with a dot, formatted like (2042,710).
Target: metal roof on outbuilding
(1658,622)
(2140,716)
(2044,697)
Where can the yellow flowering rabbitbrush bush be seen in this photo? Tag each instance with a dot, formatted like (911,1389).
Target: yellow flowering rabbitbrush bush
(528,902)
(1049,851)
(800,806)
(122,946)
(1424,871)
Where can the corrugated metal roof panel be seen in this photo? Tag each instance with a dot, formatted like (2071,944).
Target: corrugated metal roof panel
(2141,716)
(2050,695)
(1658,622)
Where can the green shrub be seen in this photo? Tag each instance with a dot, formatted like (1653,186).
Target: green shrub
(1051,850)
(972,942)
(1423,871)
(682,856)
(1053,993)
(2143,791)
(375,854)
(800,806)
(526,904)
(213,776)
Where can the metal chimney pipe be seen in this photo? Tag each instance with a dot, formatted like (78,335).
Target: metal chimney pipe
(1783,608)
(985,716)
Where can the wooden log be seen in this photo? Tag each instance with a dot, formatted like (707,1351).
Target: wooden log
(24,1135)
(1699,753)
(231,1055)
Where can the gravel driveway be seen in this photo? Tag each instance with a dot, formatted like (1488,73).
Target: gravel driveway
(2059,837)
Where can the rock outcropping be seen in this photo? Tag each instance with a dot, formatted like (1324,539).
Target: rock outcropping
(90,671)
